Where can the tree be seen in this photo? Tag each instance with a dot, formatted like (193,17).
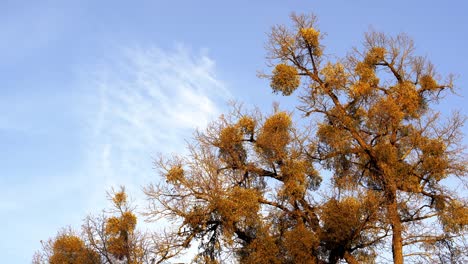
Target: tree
(109,238)
(377,131)
(66,247)
(246,190)
(222,193)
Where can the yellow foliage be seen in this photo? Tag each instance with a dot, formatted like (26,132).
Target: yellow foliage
(175,174)
(263,250)
(196,217)
(375,55)
(407,182)
(247,124)
(408,98)
(118,247)
(285,79)
(455,217)
(427,82)
(240,205)
(229,136)
(335,138)
(295,173)
(120,198)
(230,145)
(435,161)
(274,136)
(128,221)
(299,242)
(366,73)
(340,218)
(119,229)
(70,249)
(335,75)
(310,36)
(360,89)
(366,69)
(385,113)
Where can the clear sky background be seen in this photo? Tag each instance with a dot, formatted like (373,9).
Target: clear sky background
(91,91)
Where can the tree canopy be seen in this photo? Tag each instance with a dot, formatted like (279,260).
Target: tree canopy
(109,238)
(250,191)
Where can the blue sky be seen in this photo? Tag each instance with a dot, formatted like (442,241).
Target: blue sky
(91,91)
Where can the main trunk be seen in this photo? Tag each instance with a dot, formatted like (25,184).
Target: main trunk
(395,221)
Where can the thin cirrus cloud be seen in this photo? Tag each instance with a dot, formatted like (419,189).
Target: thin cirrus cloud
(142,102)
(149,101)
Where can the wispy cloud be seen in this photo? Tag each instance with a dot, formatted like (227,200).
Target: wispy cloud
(141,102)
(145,102)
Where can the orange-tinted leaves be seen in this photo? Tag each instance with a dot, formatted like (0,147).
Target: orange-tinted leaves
(274,136)
(70,249)
(247,125)
(428,83)
(335,75)
(175,174)
(375,55)
(299,242)
(119,198)
(455,217)
(285,79)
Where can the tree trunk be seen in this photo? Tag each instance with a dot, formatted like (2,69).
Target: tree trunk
(395,221)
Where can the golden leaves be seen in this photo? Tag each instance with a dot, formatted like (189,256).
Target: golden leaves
(360,89)
(427,83)
(239,205)
(119,229)
(262,250)
(247,124)
(339,219)
(455,217)
(435,161)
(408,98)
(310,36)
(385,114)
(311,39)
(366,68)
(119,198)
(299,242)
(295,173)
(230,146)
(407,182)
(274,136)
(375,55)
(334,138)
(229,136)
(69,248)
(343,218)
(196,217)
(105,237)
(175,174)
(285,79)
(335,75)
(113,225)
(126,222)
(366,72)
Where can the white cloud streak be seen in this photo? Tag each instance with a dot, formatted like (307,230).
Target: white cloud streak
(148,101)
(141,102)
